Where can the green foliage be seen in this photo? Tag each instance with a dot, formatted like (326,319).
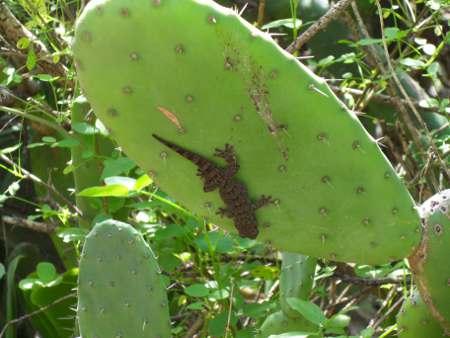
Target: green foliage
(218,283)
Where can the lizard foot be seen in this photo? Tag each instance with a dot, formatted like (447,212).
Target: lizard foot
(227,153)
(263,201)
(222,212)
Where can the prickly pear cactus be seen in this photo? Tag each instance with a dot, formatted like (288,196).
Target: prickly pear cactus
(430,263)
(223,81)
(278,323)
(120,290)
(296,279)
(415,320)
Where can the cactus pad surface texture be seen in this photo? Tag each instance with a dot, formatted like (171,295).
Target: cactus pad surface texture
(121,293)
(415,320)
(197,74)
(430,263)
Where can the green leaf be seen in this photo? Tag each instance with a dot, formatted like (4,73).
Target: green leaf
(46,272)
(2,271)
(45,77)
(115,167)
(338,321)
(195,306)
(413,63)
(23,43)
(127,182)
(197,290)
(66,143)
(142,182)
(296,334)
(264,272)
(308,310)
(219,294)
(289,23)
(84,128)
(368,333)
(72,234)
(11,296)
(48,139)
(11,149)
(368,42)
(27,283)
(31,59)
(114,190)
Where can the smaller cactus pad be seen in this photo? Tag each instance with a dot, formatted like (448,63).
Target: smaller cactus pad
(430,263)
(415,320)
(120,290)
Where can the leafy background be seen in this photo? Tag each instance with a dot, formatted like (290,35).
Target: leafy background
(52,146)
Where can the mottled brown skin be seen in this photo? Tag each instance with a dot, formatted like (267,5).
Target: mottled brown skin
(233,192)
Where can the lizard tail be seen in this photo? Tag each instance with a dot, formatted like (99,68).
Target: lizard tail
(191,156)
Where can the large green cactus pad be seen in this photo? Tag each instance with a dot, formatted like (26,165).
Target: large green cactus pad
(430,263)
(415,320)
(196,74)
(120,290)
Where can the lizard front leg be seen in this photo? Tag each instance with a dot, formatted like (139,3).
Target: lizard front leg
(223,212)
(229,156)
(263,201)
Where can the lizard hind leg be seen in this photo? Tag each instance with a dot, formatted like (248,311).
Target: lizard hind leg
(263,201)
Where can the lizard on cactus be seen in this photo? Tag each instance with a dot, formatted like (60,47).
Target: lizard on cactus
(232,191)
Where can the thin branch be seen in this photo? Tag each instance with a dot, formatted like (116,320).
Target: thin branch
(13,31)
(367,281)
(34,313)
(383,98)
(29,224)
(261,12)
(445,170)
(319,25)
(28,175)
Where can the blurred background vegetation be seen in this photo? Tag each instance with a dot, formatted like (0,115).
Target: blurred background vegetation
(52,146)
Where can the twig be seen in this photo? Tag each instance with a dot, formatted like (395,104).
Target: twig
(36,312)
(422,123)
(379,62)
(261,12)
(26,174)
(26,223)
(383,98)
(13,30)
(388,312)
(194,328)
(320,24)
(367,281)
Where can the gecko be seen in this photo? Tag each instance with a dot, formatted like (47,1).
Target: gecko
(239,207)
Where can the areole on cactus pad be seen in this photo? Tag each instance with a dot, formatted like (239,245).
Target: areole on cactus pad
(196,74)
